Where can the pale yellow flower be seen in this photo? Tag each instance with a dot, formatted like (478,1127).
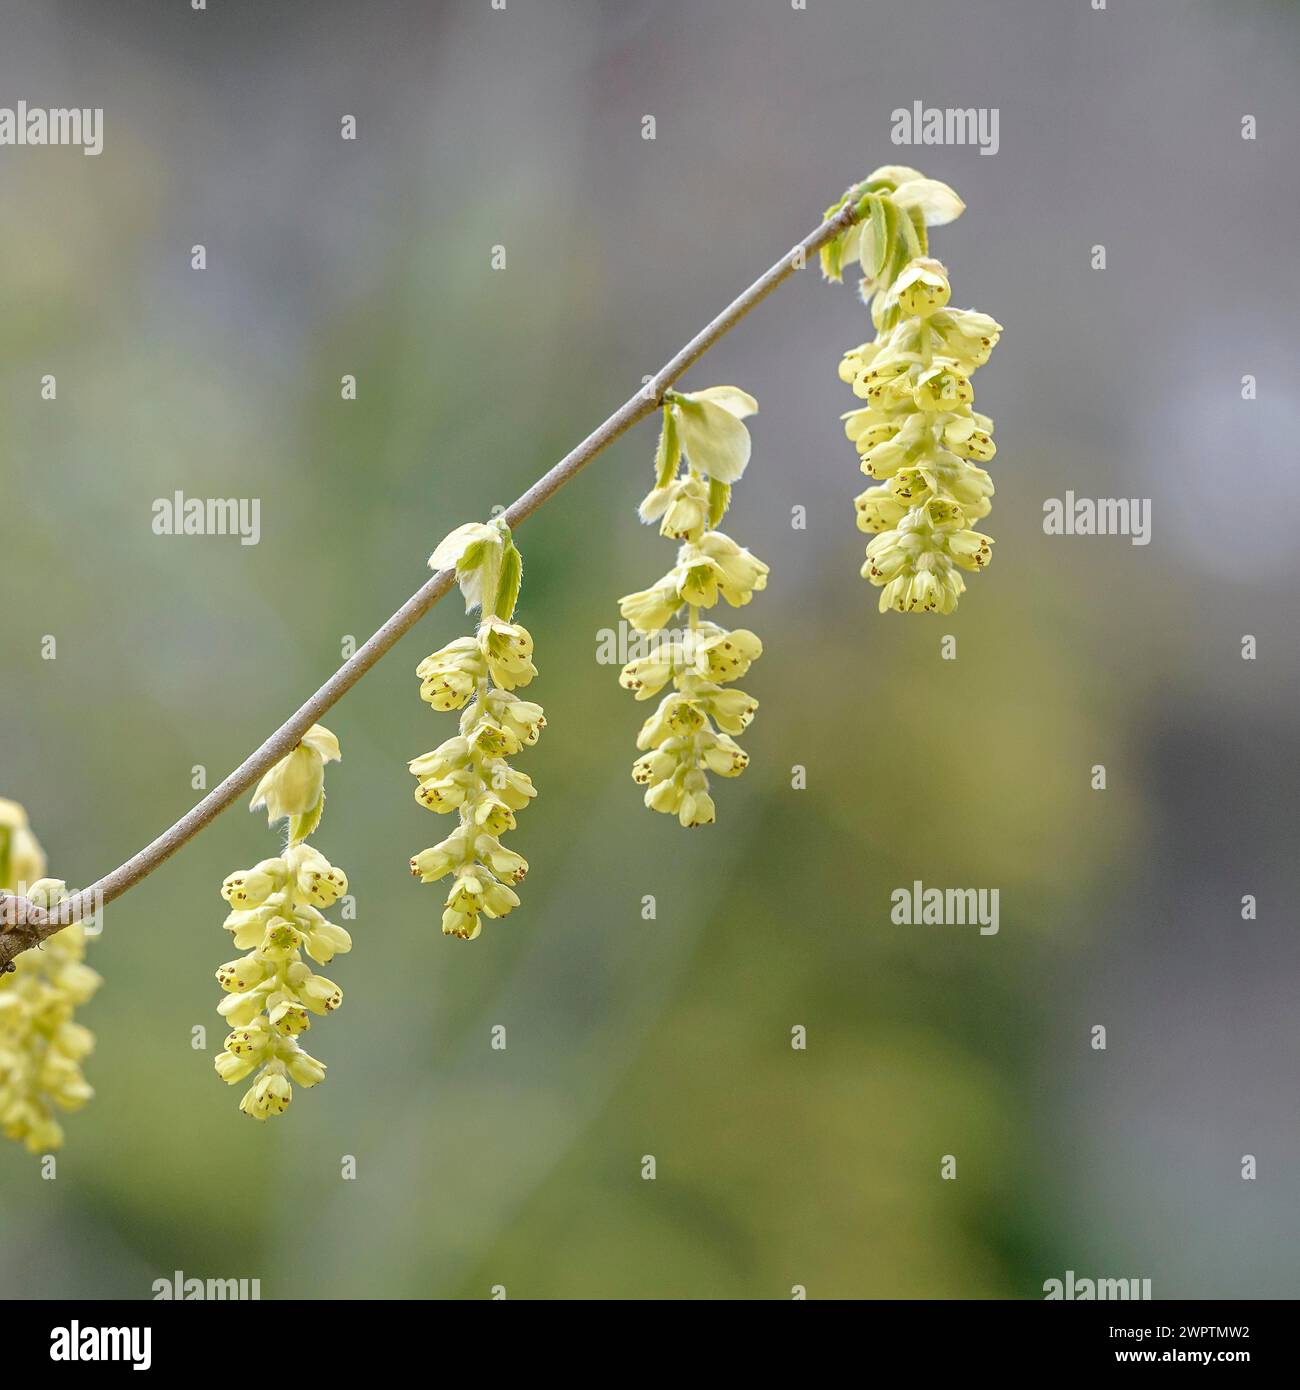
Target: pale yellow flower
(688,735)
(271,993)
(41,1045)
(918,433)
(469,774)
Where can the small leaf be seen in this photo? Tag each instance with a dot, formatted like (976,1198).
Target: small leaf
(891,175)
(740,403)
(884,247)
(713,439)
(454,550)
(321,741)
(654,504)
(918,222)
(512,574)
(907,224)
(831,256)
(472,556)
(305,824)
(936,201)
(879,235)
(719,501)
(668,454)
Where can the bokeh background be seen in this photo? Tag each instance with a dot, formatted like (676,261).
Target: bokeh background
(522,127)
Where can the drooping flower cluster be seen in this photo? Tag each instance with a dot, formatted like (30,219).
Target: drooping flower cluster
(469,774)
(703,448)
(917,435)
(271,992)
(41,1045)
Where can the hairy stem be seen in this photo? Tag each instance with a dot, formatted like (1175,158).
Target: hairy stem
(24,925)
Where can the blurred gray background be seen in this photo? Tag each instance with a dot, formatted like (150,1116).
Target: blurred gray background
(522,128)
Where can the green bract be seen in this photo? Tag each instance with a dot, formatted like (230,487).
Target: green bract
(295,787)
(708,423)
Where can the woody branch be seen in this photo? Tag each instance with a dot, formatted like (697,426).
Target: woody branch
(24,925)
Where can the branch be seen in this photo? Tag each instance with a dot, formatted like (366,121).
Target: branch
(24,925)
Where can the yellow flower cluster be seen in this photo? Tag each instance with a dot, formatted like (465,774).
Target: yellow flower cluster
(469,774)
(703,448)
(41,1045)
(918,434)
(271,992)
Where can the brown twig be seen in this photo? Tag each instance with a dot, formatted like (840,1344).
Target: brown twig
(23,925)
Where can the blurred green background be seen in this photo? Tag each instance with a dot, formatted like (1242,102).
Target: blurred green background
(776,1167)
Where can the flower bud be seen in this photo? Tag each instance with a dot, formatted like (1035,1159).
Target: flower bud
(326,940)
(445,759)
(237,976)
(435,863)
(318,882)
(942,388)
(508,649)
(921,288)
(231,1068)
(464,925)
(505,863)
(288,1018)
(250,888)
(498,900)
(493,815)
(304,1068)
(320,995)
(651,609)
(240,1010)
